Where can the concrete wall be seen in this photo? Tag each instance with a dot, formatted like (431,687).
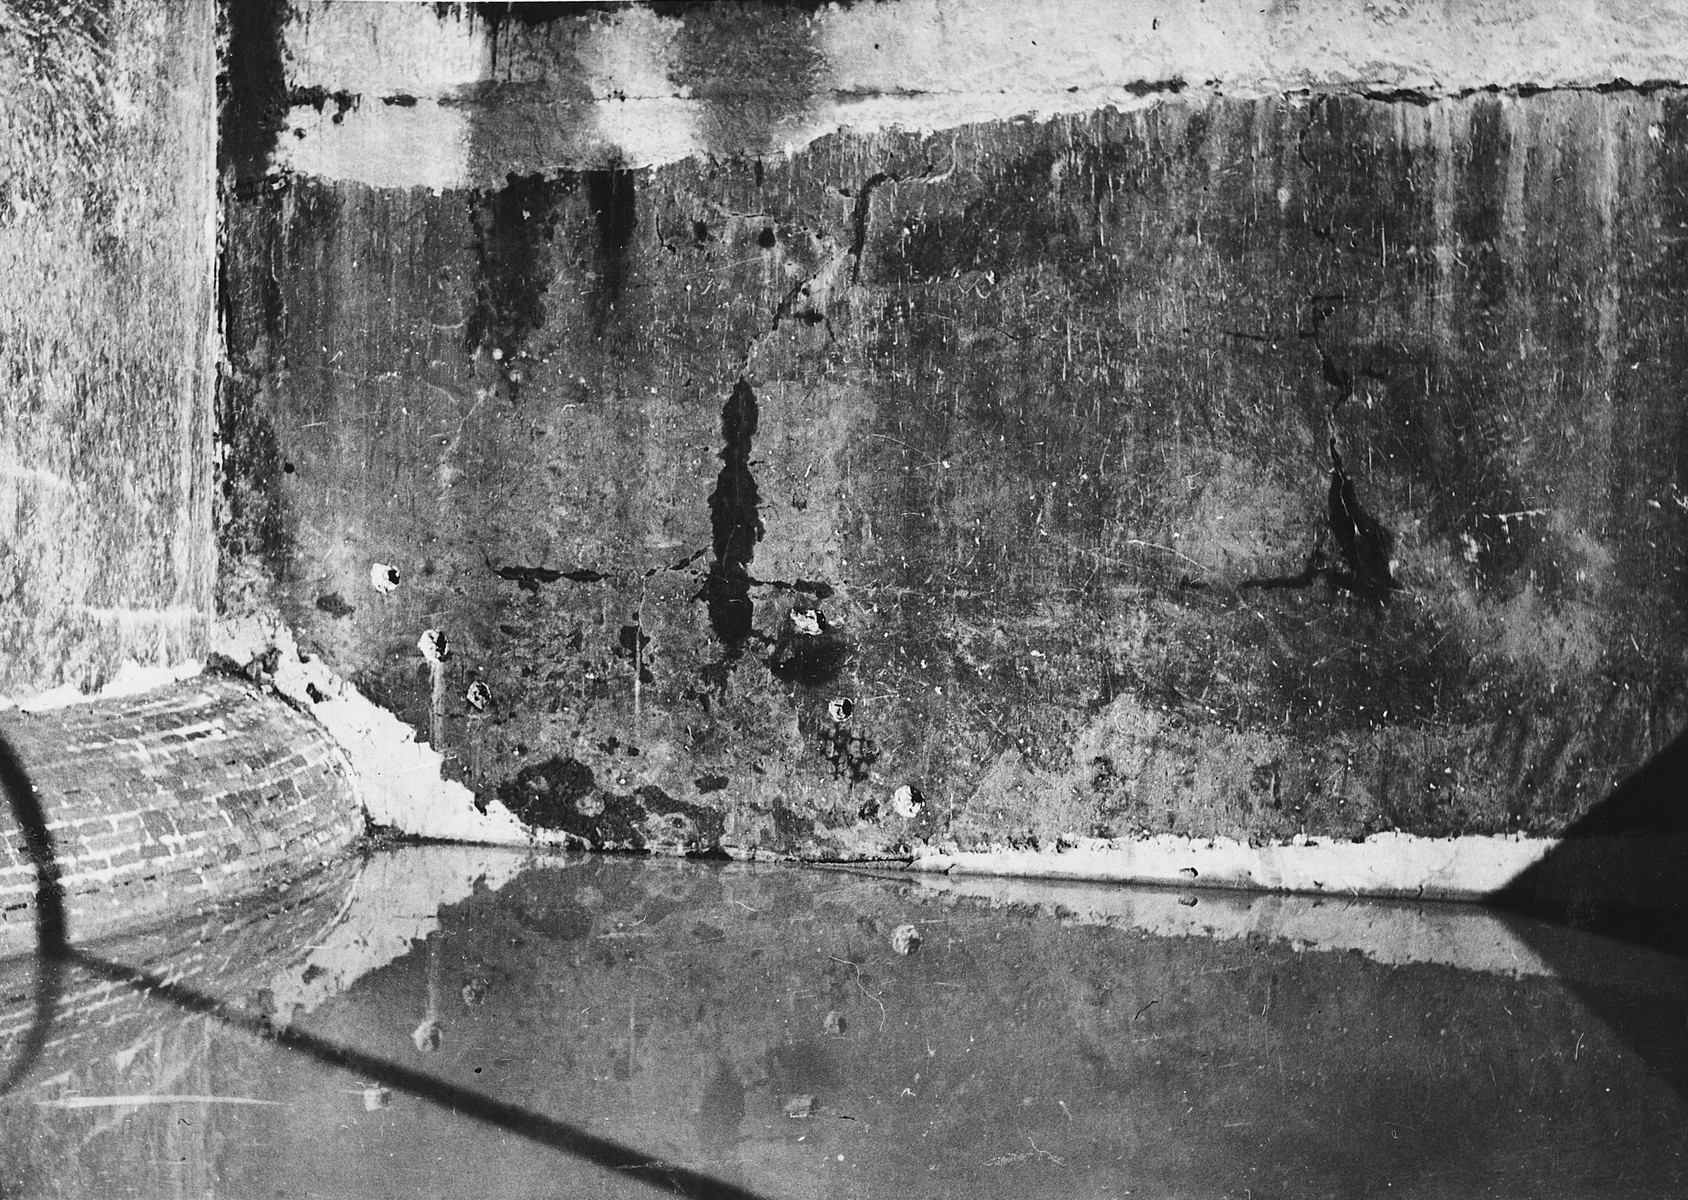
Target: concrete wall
(107,248)
(164,804)
(1284,436)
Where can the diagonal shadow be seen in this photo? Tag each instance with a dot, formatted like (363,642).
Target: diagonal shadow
(50,931)
(535,1127)
(1620,873)
(55,955)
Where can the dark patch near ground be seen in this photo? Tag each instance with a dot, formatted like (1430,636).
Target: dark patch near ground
(561,794)
(698,826)
(545,794)
(252,90)
(736,524)
(793,832)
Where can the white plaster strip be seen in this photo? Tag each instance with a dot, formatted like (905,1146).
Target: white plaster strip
(1386,864)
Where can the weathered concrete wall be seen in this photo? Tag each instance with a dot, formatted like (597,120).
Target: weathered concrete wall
(163,804)
(1265,466)
(107,245)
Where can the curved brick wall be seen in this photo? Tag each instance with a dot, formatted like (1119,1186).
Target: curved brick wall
(161,803)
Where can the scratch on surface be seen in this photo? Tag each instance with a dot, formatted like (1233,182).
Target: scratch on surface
(79,1102)
(863,986)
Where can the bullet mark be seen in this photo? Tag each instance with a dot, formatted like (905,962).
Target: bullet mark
(908,802)
(383,577)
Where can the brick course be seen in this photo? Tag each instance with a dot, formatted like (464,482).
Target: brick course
(164,803)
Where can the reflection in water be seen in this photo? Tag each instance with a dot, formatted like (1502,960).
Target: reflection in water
(759,1027)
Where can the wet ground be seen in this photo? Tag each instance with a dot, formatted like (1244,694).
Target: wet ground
(443,1021)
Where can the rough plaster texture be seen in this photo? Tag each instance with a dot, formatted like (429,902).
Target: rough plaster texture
(1038,418)
(107,246)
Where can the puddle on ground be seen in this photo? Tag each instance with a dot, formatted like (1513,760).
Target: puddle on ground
(440,1021)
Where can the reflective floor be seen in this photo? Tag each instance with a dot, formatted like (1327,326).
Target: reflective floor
(448,1021)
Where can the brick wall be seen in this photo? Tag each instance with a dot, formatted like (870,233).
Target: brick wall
(238,954)
(163,803)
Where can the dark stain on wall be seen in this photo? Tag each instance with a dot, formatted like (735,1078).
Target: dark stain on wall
(252,90)
(736,525)
(513,225)
(612,198)
(562,795)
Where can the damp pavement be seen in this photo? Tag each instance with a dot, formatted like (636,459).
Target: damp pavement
(437,1021)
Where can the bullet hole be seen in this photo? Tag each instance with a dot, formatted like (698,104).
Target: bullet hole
(907,801)
(767,239)
(905,939)
(383,577)
(334,605)
(834,1024)
(287,467)
(433,645)
(806,621)
(474,993)
(478,696)
(840,708)
(612,197)
(427,1037)
(316,694)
